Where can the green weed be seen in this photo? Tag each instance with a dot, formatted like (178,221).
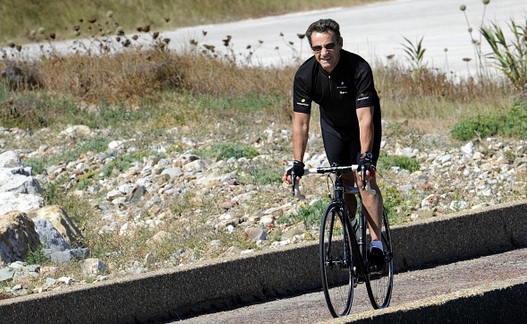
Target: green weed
(78,209)
(261,174)
(415,53)
(122,162)
(403,162)
(309,214)
(37,257)
(96,144)
(510,55)
(225,151)
(395,205)
(39,165)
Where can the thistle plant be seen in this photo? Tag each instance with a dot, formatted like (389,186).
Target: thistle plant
(296,55)
(510,56)
(476,42)
(229,54)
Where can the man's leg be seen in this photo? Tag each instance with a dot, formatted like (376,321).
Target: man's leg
(373,205)
(349,199)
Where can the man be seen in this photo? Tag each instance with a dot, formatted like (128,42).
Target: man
(341,83)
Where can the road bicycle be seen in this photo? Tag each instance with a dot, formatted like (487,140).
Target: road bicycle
(344,242)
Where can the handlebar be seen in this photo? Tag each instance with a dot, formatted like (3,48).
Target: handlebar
(331,169)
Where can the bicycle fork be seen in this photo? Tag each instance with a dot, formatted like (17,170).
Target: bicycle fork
(342,261)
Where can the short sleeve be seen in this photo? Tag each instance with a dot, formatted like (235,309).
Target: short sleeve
(301,93)
(366,93)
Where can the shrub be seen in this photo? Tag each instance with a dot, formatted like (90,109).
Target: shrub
(508,123)
(515,121)
(479,126)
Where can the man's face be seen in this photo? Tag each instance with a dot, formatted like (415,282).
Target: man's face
(326,49)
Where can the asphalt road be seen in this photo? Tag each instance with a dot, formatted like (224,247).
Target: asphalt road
(409,287)
(373,31)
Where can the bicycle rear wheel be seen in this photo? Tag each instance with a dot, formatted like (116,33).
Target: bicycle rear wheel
(380,284)
(336,262)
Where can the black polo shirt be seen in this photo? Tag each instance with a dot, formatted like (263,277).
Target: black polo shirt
(339,93)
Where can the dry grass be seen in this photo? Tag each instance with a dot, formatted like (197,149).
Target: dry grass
(429,99)
(125,76)
(143,79)
(130,75)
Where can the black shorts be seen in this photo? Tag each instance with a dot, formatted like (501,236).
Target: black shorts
(343,145)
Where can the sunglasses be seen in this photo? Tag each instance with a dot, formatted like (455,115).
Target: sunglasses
(328,46)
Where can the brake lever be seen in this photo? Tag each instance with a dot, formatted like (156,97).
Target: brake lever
(363,176)
(296,189)
(365,184)
(293,182)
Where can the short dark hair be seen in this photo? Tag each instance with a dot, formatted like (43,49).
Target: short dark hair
(323,26)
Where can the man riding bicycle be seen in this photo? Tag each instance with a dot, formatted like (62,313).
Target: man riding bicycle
(341,83)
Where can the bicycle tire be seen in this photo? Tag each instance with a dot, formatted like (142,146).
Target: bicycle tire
(336,261)
(380,284)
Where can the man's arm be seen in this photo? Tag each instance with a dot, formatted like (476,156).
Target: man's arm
(300,134)
(365,117)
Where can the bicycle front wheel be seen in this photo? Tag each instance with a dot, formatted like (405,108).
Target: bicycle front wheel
(336,262)
(379,284)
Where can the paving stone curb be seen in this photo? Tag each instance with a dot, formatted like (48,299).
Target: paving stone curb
(177,292)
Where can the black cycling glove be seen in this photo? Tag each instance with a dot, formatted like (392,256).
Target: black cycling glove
(297,168)
(366,160)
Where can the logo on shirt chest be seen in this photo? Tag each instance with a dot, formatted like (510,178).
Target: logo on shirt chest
(342,88)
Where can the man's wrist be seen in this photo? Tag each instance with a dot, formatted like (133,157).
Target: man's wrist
(366,155)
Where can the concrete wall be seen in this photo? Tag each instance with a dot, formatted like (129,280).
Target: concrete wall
(167,294)
(463,236)
(500,302)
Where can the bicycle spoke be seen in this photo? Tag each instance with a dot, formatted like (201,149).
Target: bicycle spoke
(380,283)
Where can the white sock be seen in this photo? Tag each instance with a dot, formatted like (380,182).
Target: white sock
(376,244)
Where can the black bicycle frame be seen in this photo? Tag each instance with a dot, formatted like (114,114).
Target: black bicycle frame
(358,244)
